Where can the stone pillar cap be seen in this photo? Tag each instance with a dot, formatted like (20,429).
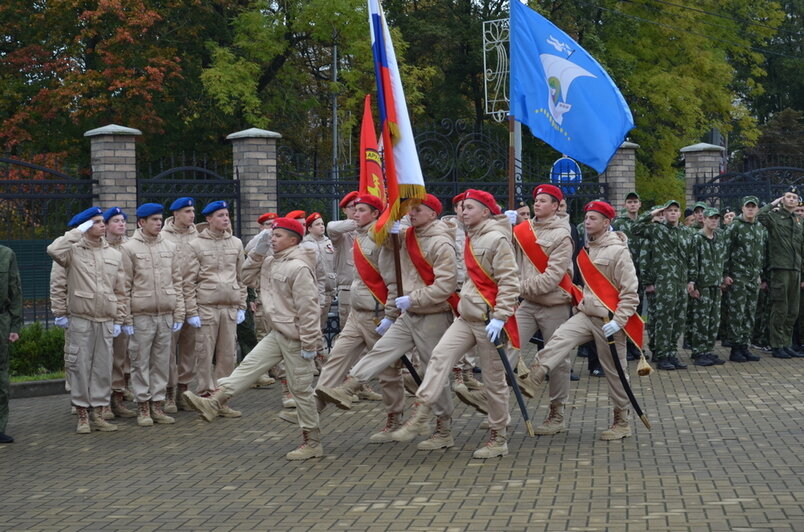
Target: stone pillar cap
(112,129)
(631,145)
(702,146)
(254,132)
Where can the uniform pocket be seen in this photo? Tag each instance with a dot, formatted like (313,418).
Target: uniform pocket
(71,356)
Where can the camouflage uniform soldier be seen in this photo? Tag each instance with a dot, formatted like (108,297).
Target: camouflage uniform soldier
(745,241)
(668,296)
(703,285)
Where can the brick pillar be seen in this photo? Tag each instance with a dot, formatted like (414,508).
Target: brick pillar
(701,164)
(620,174)
(254,162)
(114,165)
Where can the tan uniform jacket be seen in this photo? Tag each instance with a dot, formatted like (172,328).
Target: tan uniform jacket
(343,234)
(288,292)
(153,277)
(326,255)
(94,277)
(58,289)
(318,271)
(361,298)
(610,255)
(553,235)
(460,241)
(491,242)
(438,247)
(182,238)
(214,261)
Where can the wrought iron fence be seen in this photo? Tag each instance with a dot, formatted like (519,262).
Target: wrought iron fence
(725,190)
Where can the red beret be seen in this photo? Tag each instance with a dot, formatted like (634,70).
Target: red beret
(290,224)
(602,207)
(434,203)
(484,198)
(313,217)
(370,200)
(548,189)
(296,214)
(459,198)
(267,216)
(348,198)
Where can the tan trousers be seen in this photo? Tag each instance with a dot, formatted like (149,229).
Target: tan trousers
(182,356)
(150,356)
(461,336)
(344,298)
(269,352)
(261,327)
(532,317)
(120,362)
(578,330)
(324,314)
(419,331)
(355,339)
(88,360)
(217,336)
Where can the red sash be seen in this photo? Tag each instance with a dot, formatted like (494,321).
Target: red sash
(369,273)
(608,294)
(487,289)
(526,238)
(424,268)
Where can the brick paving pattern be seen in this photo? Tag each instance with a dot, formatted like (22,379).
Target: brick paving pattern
(724,454)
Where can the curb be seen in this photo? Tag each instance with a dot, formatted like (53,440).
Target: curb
(21,390)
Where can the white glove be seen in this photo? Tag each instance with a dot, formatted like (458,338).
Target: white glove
(84,227)
(62,321)
(195,322)
(263,242)
(493,329)
(116,331)
(177,327)
(396,228)
(307,355)
(511,216)
(241,316)
(610,328)
(402,303)
(384,325)
(129,330)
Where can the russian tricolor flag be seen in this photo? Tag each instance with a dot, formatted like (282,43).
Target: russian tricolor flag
(403,174)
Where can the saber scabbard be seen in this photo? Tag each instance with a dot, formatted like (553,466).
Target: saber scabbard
(624,380)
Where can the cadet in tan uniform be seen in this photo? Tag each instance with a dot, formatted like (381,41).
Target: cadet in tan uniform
(96,309)
(342,234)
(429,276)
(490,261)
(326,252)
(290,297)
(215,295)
(261,328)
(609,255)
(155,305)
(180,229)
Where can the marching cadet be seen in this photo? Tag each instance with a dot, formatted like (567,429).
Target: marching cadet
(155,304)
(370,316)
(704,281)
(290,298)
(543,251)
(610,288)
(429,274)
(265,222)
(745,241)
(96,307)
(342,233)
(10,324)
(487,304)
(667,295)
(115,220)
(180,229)
(215,297)
(316,234)
(785,239)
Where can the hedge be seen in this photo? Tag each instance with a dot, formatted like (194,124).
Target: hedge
(38,351)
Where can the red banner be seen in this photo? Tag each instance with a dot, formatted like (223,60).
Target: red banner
(423,267)
(369,273)
(371,181)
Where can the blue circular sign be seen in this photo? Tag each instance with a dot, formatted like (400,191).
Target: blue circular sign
(565,170)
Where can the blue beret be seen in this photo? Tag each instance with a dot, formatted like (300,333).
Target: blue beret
(83,216)
(114,211)
(214,206)
(182,203)
(148,209)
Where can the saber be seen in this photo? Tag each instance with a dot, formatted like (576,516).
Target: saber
(398,272)
(624,380)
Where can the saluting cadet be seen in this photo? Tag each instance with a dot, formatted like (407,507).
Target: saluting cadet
(155,304)
(342,233)
(606,267)
(96,306)
(10,324)
(487,305)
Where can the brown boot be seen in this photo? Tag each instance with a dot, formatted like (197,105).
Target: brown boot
(340,396)
(158,413)
(144,414)
(441,438)
(170,401)
(208,407)
(470,381)
(497,445)
(529,384)
(228,411)
(474,398)
(106,412)
(100,424)
(310,448)
(118,406)
(554,423)
(83,420)
(418,424)
(620,429)
(393,421)
(367,394)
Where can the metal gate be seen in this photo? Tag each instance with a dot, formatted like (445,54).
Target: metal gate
(767,184)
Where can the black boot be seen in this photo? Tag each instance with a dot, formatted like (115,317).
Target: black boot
(677,363)
(793,353)
(780,352)
(736,355)
(749,356)
(716,360)
(665,363)
(701,359)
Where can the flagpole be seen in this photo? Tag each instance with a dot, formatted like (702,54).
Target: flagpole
(511,164)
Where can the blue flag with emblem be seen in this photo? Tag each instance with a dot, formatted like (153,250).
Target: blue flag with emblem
(562,94)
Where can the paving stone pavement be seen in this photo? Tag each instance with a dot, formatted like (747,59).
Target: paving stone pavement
(724,454)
